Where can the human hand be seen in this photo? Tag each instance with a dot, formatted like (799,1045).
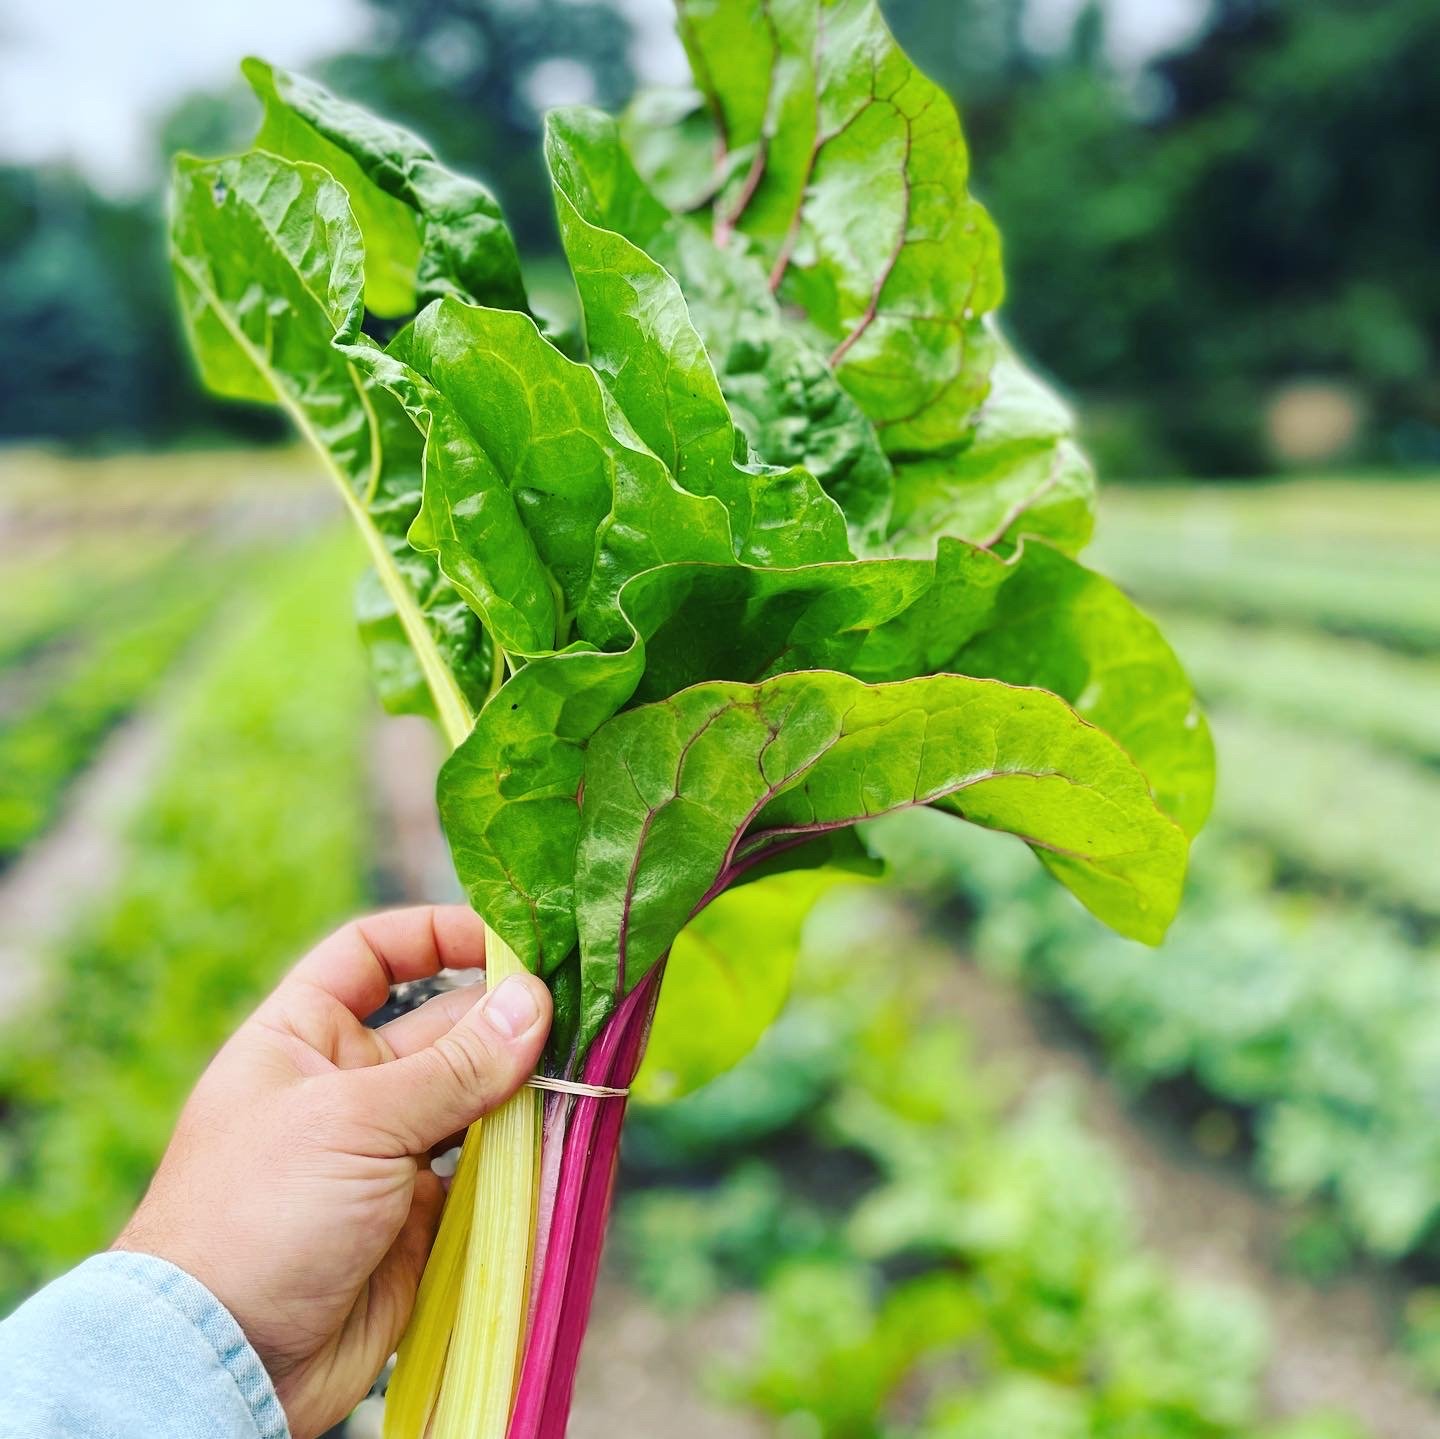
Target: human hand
(297,1187)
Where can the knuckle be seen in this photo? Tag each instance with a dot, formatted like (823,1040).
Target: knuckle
(474,1065)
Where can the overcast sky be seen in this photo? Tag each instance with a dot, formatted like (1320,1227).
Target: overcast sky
(87,79)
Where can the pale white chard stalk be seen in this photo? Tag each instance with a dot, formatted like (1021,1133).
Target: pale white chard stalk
(478,1383)
(456,1371)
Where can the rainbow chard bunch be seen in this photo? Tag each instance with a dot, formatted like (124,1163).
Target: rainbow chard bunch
(785,545)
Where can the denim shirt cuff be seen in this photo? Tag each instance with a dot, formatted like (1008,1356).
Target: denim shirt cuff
(128,1346)
(215,1325)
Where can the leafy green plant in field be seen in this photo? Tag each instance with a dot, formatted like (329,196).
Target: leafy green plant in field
(41,600)
(106,667)
(789,547)
(1384,594)
(685,1247)
(1289,676)
(228,874)
(1373,510)
(989,1282)
(1344,813)
(1318,1021)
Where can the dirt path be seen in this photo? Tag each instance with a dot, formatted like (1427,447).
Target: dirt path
(1333,1345)
(644,1374)
(77,858)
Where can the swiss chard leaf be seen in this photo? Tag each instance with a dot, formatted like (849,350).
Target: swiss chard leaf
(395,666)
(780,390)
(844,170)
(540,500)
(647,351)
(683,793)
(1068,630)
(427,231)
(269,264)
(1020,473)
(1038,618)
(855,192)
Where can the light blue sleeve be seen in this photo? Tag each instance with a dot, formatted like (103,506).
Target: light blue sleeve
(129,1347)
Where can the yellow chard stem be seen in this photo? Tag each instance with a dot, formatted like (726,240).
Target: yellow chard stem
(482,1361)
(415,1385)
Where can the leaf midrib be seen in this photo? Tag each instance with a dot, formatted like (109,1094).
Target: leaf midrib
(456,716)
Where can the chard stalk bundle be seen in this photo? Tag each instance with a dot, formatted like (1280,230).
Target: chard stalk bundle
(785,543)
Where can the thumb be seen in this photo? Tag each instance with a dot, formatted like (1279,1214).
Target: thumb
(471,1069)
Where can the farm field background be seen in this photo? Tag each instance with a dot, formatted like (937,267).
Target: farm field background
(1186,1193)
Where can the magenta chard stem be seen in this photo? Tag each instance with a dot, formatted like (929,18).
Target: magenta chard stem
(580,1151)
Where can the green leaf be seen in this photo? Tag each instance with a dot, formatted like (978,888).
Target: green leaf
(400,682)
(1021,474)
(778,387)
(1068,630)
(856,195)
(269,264)
(427,231)
(726,980)
(540,501)
(672,137)
(651,358)
(682,795)
(510,796)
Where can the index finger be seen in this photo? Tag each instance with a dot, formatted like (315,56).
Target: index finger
(358,963)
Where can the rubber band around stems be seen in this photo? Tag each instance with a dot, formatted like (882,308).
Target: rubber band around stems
(580,1091)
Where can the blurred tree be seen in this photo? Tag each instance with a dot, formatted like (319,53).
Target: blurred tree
(1260,206)
(475,76)
(87,320)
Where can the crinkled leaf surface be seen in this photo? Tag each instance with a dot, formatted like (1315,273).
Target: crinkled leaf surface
(781,392)
(395,667)
(540,500)
(427,231)
(1021,473)
(647,351)
(270,264)
(856,194)
(682,794)
(842,188)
